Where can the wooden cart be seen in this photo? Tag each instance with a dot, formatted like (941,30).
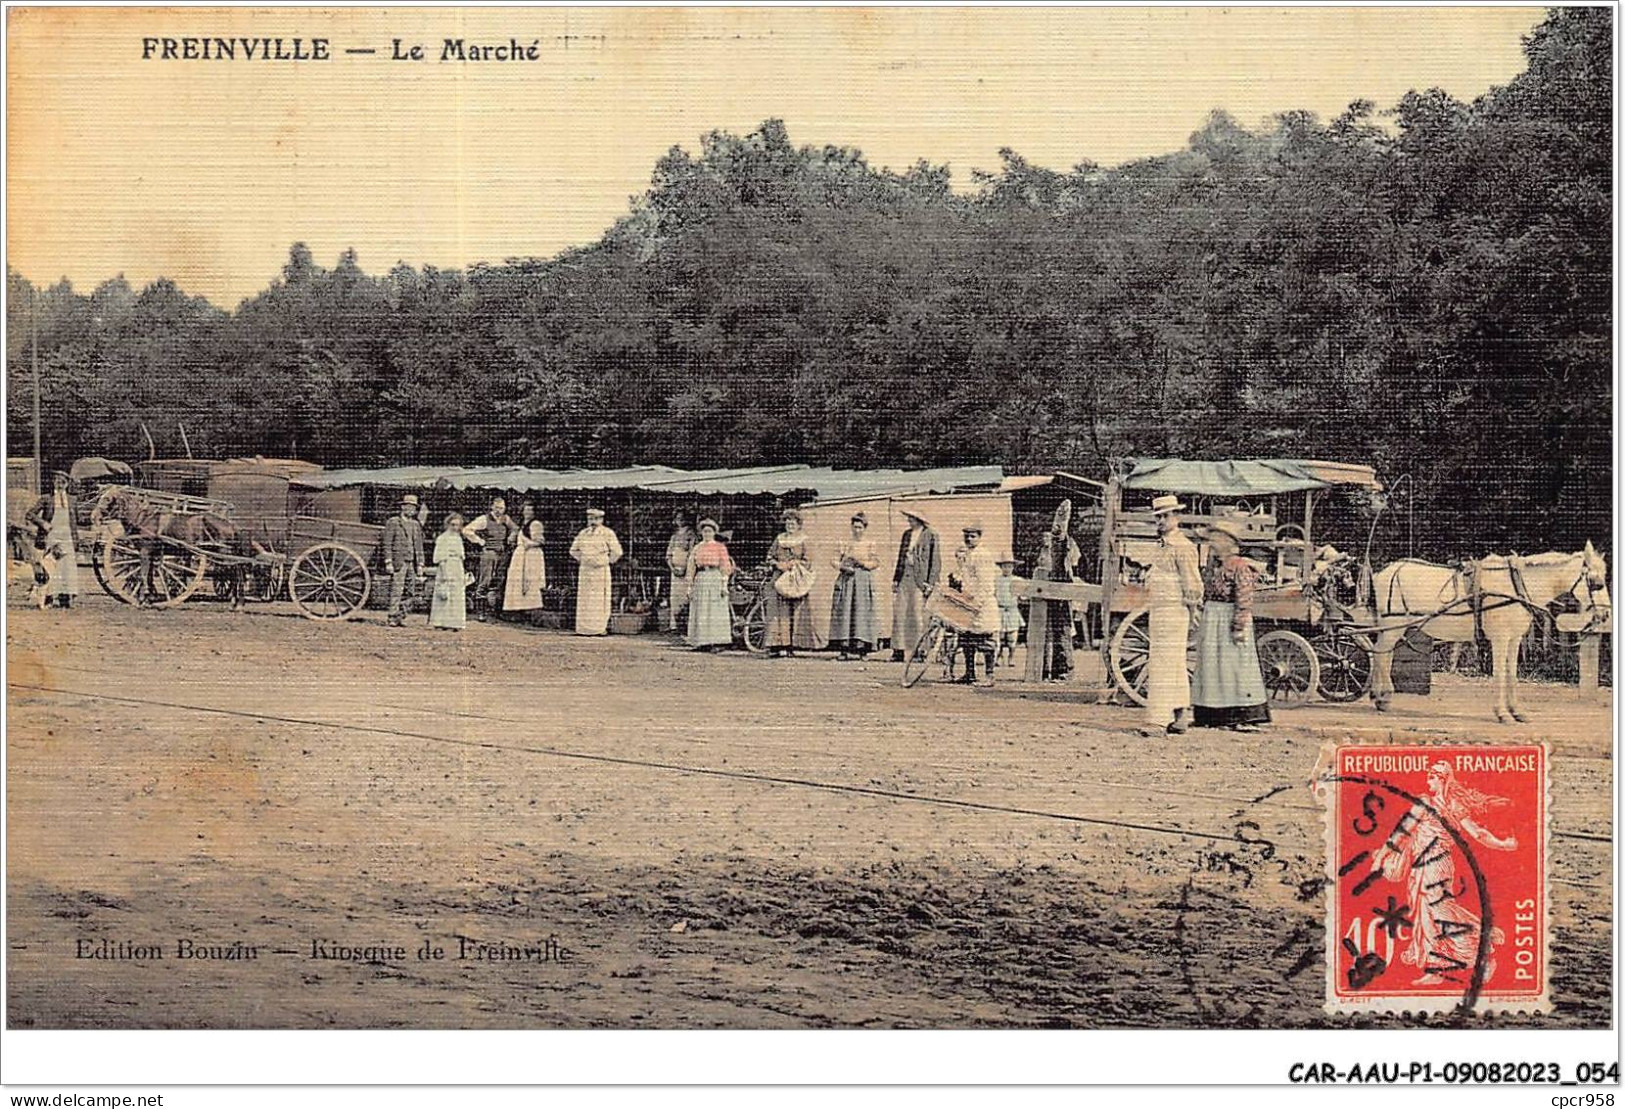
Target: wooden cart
(1313,619)
(324,566)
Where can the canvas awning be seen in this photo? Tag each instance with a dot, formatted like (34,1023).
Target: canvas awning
(820,482)
(1245,477)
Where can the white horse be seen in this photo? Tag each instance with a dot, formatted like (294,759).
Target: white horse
(1501,593)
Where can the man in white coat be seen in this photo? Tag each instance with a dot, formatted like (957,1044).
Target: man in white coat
(1174,602)
(977,572)
(595,549)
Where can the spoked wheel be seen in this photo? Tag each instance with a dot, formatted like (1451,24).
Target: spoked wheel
(1290,669)
(1345,665)
(329,581)
(924,655)
(754,631)
(1131,655)
(149,572)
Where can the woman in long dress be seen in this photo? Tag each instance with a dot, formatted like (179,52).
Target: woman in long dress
(527,571)
(449,607)
(1228,690)
(852,608)
(789,619)
(710,619)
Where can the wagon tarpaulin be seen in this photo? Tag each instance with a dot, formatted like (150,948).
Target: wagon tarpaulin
(1244,477)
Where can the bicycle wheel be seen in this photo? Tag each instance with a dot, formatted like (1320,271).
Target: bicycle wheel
(923,656)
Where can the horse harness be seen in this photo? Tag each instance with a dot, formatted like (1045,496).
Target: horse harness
(1468,589)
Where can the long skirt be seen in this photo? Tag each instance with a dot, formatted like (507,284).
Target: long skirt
(1229,687)
(789,621)
(908,616)
(710,620)
(1168,683)
(592,600)
(852,609)
(1057,640)
(527,573)
(449,606)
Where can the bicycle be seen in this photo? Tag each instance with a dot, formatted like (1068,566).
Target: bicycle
(952,614)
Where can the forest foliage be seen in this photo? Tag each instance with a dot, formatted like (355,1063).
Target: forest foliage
(1426,288)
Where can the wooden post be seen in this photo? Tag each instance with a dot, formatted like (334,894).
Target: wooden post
(1037,637)
(1590,655)
(33,359)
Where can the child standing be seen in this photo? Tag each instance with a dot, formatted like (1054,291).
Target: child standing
(1010,619)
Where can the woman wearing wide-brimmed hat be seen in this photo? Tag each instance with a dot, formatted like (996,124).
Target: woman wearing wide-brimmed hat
(708,568)
(1228,689)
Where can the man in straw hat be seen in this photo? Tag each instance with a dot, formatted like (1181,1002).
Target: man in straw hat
(595,549)
(1228,690)
(403,557)
(1174,603)
(916,573)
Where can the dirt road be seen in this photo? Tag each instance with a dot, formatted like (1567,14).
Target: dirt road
(656,838)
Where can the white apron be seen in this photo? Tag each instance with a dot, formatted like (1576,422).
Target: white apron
(1168,683)
(594,549)
(64,570)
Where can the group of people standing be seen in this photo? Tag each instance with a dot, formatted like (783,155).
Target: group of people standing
(700,566)
(1227,689)
(510,568)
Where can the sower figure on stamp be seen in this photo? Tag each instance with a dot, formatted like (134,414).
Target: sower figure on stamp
(1174,595)
(1445,932)
(493,533)
(595,549)
(918,569)
(403,558)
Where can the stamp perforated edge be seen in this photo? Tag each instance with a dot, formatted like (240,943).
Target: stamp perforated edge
(1324,776)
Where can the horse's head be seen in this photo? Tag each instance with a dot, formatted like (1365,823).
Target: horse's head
(1592,589)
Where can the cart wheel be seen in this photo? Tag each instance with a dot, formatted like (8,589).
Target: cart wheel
(329,581)
(1131,654)
(171,575)
(1345,665)
(1291,670)
(755,628)
(924,655)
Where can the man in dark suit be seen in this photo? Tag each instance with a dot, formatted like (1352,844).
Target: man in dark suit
(919,568)
(403,557)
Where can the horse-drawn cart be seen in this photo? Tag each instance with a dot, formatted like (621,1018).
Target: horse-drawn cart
(155,547)
(1312,606)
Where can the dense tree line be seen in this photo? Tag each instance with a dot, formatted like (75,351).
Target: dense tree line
(1425,288)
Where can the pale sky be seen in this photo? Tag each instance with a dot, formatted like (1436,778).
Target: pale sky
(206,171)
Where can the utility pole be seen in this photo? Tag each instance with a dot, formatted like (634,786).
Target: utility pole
(33,358)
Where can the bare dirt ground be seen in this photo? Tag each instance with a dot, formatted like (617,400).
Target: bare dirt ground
(718,841)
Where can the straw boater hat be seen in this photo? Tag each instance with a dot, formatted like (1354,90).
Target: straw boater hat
(914,514)
(707,522)
(410,498)
(1163,505)
(595,514)
(1005,559)
(1228,527)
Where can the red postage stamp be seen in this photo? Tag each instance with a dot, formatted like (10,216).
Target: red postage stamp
(1437,868)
